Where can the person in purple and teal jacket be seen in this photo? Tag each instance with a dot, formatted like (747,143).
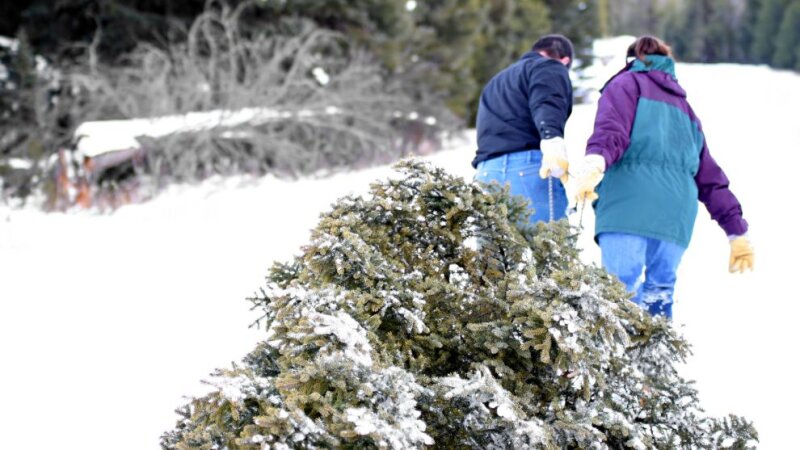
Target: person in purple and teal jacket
(646,166)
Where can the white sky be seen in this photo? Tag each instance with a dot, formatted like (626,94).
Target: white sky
(108,321)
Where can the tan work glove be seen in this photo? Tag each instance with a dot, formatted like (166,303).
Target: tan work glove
(554,159)
(588,176)
(742,254)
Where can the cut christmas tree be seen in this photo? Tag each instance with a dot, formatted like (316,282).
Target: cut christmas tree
(430,315)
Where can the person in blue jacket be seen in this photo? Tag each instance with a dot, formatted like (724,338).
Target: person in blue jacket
(520,127)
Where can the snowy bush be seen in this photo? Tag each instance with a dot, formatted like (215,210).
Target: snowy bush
(425,315)
(284,97)
(314,99)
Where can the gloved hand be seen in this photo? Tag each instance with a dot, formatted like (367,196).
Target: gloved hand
(554,159)
(741,254)
(588,176)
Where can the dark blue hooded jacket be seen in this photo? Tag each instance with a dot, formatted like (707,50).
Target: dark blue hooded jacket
(524,103)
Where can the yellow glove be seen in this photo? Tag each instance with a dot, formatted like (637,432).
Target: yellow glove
(588,176)
(554,159)
(741,254)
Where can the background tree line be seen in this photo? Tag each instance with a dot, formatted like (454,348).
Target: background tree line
(427,62)
(743,31)
(450,47)
(419,69)
(446,48)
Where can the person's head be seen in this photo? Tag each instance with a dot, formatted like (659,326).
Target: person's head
(648,45)
(555,46)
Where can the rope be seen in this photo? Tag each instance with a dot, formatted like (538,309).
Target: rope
(552,208)
(550,197)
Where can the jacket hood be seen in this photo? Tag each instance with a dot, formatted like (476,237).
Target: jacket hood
(661,70)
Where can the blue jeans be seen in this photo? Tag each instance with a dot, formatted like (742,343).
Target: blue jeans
(627,255)
(521,171)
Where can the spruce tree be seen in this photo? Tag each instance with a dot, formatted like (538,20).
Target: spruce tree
(426,50)
(603,19)
(508,30)
(27,121)
(385,27)
(788,38)
(746,33)
(430,315)
(797,59)
(768,22)
(690,38)
(578,20)
(23,67)
(443,50)
(725,23)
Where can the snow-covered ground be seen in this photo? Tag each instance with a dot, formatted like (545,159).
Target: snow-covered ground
(108,321)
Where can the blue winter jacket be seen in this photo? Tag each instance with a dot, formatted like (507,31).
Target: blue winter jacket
(527,101)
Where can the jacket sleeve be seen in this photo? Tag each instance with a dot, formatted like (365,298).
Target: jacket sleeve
(616,111)
(549,99)
(713,192)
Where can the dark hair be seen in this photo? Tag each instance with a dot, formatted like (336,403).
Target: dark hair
(648,45)
(555,46)
(643,46)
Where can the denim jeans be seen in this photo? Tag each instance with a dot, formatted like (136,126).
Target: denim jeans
(627,255)
(521,171)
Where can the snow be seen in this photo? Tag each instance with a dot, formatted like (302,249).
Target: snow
(108,321)
(394,421)
(609,59)
(19,163)
(483,391)
(236,389)
(484,383)
(9,43)
(354,337)
(102,136)
(321,76)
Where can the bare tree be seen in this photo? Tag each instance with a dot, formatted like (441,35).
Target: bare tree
(290,100)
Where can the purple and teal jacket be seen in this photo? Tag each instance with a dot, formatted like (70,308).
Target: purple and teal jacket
(657,161)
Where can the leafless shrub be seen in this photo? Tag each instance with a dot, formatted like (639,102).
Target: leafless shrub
(287,99)
(313,100)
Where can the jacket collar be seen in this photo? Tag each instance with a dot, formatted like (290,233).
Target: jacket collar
(654,62)
(531,55)
(661,70)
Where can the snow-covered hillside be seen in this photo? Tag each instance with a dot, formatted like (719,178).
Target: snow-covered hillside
(107,321)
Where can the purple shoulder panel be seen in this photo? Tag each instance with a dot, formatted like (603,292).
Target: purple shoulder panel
(616,110)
